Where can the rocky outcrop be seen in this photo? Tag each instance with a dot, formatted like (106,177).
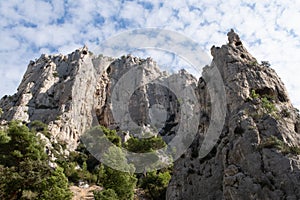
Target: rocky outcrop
(56,90)
(71,93)
(257,154)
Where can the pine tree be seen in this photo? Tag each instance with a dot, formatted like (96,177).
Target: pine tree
(24,167)
(123,183)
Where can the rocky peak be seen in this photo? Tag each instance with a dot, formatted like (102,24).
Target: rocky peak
(234,38)
(257,153)
(72,92)
(51,91)
(242,73)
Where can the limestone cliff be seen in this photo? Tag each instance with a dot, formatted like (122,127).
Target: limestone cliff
(255,157)
(70,93)
(56,90)
(257,154)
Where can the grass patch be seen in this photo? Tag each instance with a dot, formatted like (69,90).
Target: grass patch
(274,142)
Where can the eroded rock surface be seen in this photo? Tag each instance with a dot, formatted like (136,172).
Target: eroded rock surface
(257,154)
(71,93)
(255,157)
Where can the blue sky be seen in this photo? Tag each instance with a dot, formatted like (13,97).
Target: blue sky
(270,29)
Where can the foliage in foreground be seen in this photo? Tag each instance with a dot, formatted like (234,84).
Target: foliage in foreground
(121,185)
(25,172)
(24,167)
(155,184)
(107,194)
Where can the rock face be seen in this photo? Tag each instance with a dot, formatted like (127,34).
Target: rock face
(255,157)
(73,92)
(56,90)
(257,154)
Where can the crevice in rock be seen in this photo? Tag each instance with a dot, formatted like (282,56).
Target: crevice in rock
(262,164)
(281,96)
(210,155)
(265,92)
(108,70)
(238,43)
(296,128)
(239,130)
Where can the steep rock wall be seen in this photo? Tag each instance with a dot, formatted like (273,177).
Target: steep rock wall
(254,157)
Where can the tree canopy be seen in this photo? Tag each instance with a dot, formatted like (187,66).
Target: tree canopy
(24,167)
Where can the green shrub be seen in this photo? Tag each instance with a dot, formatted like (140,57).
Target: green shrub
(155,184)
(112,136)
(253,63)
(122,183)
(108,194)
(24,167)
(145,144)
(294,150)
(78,167)
(119,184)
(254,95)
(268,106)
(38,126)
(274,142)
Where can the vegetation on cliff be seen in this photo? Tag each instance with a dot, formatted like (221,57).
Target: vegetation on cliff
(25,171)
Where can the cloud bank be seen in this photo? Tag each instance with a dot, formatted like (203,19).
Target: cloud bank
(270,29)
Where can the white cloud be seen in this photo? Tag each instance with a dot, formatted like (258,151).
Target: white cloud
(269,29)
(134,12)
(34,11)
(58,8)
(9,42)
